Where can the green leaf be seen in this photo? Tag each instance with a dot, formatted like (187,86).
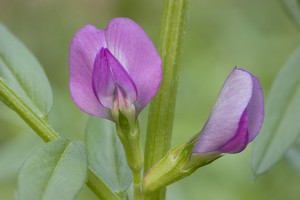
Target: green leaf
(55,171)
(293,155)
(106,154)
(281,126)
(14,152)
(21,71)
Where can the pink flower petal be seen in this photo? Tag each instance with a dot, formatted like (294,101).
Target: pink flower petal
(239,142)
(131,46)
(108,74)
(255,109)
(85,45)
(130,50)
(236,117)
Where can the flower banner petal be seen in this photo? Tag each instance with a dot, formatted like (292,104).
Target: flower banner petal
(224,119)
(255,109)
(131,46)
(84,47)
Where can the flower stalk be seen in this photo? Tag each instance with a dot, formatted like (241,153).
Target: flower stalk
(129,135)
(137,185)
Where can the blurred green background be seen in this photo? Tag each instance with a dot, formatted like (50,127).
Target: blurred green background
(256,35)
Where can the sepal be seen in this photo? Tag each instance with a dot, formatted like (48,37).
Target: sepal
(129,133)
(177,164)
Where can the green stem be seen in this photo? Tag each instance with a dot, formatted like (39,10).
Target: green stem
(44,130)
(100,189)
(161,114)
(39,125)
(129,133)
(137,185)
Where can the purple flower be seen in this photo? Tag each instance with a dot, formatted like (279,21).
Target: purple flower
(118,67)
(236,117)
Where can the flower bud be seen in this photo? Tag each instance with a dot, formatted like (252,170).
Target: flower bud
(235,120)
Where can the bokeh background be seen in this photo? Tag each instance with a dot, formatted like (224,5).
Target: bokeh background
(256,35)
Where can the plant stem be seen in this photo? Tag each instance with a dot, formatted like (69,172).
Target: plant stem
(161,114)
(39,125)
(46,132)
(100,189)
(137,185)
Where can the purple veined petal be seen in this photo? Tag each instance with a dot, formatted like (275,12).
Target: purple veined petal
(109,75)
(85,45)
(131,46)
(228,130)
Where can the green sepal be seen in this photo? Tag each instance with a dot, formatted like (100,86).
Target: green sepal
(129,134)
(177,164)
(124,124)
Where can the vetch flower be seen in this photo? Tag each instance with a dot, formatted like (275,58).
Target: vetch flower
(236,117)
(114,73)
(112,70)
(235,120)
